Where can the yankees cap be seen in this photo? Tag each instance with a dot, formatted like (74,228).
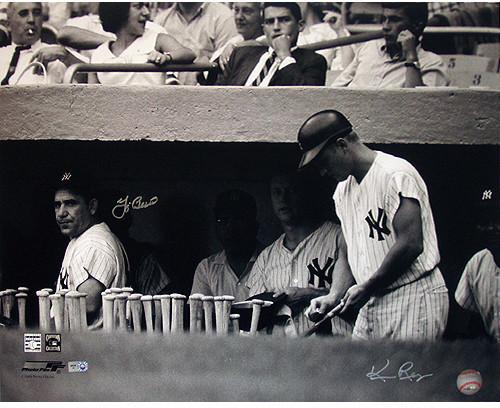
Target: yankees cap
(76,180)
(317,130)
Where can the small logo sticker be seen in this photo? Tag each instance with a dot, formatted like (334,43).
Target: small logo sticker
(469,382)
(32,342)
(52,342)
(77,366)
(42,369)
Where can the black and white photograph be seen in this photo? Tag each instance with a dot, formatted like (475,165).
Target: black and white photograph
(249,202)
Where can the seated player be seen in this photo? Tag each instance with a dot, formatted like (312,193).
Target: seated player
(226,272)
(94,258)
(281,63)
(135,43)
(398,60)
(305,261)
(477,291)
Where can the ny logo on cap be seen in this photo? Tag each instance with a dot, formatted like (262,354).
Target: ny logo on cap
(66,176)
(487,195)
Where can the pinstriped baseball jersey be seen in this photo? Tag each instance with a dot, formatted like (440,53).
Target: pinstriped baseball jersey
(479,290)
(311,264)
(98,253)
(367,210)
(416,311)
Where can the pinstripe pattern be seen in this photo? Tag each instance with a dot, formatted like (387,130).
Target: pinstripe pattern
(479,290)
(278,267)
(98,253)
(416,305)
(416,311)
(388,178)
(150,277)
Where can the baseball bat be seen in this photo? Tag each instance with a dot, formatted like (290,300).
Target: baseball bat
(208,310)
(226,312)
(256,308)
(235,322)
(177,313)
(157,311)
(121,304)
(147,304)
(136,311)
(21,309)
(43,310)
(83,310)
(58,309)
(166,311)
(332,313)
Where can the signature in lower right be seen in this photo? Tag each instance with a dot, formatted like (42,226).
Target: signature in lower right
(404,373)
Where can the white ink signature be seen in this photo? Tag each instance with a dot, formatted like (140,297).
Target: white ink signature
(403,373)
(123,205)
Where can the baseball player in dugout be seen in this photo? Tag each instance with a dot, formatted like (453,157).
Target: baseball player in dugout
(226,272)
(387,222)
(306,260)
(95,258)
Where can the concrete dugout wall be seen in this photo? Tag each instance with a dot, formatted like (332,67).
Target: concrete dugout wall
(435,116)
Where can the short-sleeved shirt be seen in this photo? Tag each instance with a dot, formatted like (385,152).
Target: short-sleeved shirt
(97,253)
(215,277)
(136,53)
(55,71)
(372,66)
(210,29)
(366,211)
(479,290)
(309,265)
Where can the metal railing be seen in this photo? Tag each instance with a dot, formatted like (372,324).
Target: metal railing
(198,67)
(146,67)
(363,28)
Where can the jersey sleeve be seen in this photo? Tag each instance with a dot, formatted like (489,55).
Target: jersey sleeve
(256,282)
(94,262)
(464,294)
(200,281)
(403,184)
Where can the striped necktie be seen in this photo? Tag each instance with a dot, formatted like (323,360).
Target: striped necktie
(265,69)
(13,62)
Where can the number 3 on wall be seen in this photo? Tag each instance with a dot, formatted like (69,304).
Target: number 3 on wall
(476,79)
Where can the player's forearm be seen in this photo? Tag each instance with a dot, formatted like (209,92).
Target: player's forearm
(397,261)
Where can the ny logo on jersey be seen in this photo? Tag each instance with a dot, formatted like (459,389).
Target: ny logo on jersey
(324,274)
(487,195)
(66,176)
(379,224)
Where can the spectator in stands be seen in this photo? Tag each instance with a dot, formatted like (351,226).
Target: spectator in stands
(280,63)
(226,272)
(84,33)
(136,42)
(398,60)
(202,27)
(248,20)
(323,22)
(306,259)
(25,24)
(477,291)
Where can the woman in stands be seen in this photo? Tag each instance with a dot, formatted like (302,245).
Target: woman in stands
(138,40)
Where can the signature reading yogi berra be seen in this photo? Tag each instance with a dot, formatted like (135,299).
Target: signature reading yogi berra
(95,258)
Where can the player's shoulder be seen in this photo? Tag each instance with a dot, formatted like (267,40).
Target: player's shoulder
(271,249)
(390,164)
(480,257)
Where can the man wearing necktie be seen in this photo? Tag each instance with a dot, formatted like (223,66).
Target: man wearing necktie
(25,26)
(280,63)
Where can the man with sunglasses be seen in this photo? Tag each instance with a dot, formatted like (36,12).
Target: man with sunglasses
(280,63)
(226,272)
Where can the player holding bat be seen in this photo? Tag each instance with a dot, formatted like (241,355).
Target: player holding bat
(388,226)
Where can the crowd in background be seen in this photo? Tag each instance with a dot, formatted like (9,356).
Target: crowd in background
(61,34)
